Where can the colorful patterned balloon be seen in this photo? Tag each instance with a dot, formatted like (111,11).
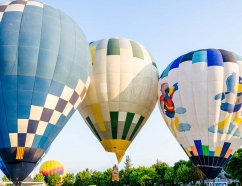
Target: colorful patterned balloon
(4,169)
(200,99)
(122,93)
(45,71)
(46,152)
(50,167)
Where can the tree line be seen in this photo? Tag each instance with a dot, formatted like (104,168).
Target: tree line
(160,173)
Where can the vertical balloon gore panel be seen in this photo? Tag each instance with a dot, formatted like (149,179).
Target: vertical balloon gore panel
(46,152)
(200,101)
(122,93)
(45,72)
(3,168)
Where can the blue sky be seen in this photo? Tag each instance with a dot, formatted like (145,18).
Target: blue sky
(167,29)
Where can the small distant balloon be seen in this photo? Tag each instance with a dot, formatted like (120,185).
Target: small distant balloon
(50,167)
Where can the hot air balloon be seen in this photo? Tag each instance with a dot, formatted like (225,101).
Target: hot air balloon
(122,92)
(200,101)
(50,167)
(45,153)
(4,169)
(45,68)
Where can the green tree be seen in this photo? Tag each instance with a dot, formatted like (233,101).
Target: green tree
(150,172)
(137,174)
(145,181)
(39,178)
(98,178)
(184,174)
(133,178)
(5,179)
(54,179)
(107,175)
(160,175)
(122,179)
(180,163)
(127,168)
(234,166)
(159,164)
(169,175)
(83,178)
(127,164)
(68,180)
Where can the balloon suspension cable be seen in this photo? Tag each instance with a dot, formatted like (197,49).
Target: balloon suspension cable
(135,144)
(112,162)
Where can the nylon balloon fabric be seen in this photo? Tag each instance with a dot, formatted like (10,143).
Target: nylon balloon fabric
(50,167)
(43,156)
(122,93)
(3,168)
(45,71)
(200,101)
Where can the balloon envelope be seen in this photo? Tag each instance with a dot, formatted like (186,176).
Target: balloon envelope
(122,93)
(200,101)
(45,153)
(44,73)
(4,169)
(50,167)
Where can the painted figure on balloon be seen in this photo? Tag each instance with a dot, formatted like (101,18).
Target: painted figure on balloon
(167,105)
(231,102)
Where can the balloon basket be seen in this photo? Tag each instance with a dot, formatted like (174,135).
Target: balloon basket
(115,173)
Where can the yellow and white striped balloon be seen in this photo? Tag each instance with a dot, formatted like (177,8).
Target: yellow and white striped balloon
(122,93)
